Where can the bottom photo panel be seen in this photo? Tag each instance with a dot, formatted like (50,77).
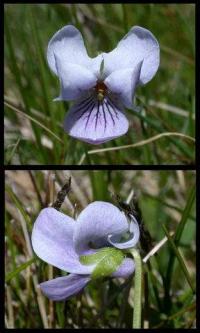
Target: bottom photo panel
(100,249)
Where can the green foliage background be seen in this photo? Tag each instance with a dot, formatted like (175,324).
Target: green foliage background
(33,122)
(166,198)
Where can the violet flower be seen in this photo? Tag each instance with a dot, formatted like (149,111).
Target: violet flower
(87,248)
(102,86)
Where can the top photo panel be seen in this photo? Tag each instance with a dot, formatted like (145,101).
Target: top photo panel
(99,84)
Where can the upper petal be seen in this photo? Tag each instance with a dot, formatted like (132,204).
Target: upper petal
(96,122)
(95,223)
(123,82)
(75,80)
(138,45)
(64,287)
(52,240)
(67,43)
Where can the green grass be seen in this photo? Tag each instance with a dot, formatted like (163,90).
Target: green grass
(167,203)
(33,122)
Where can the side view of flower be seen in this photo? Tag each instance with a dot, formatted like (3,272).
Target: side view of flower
(103,86)
(88,248)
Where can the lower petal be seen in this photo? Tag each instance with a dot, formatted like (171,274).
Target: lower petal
(64,287)
(96,122)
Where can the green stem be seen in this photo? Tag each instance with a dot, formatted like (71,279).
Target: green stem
(137,290)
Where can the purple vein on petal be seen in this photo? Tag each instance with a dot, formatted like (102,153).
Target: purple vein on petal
(86,109)
(110,113)
(88,116)
(97,115)
(104,116)
(84,104)
(113,106)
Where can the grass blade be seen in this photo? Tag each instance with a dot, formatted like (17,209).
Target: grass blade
(179,231)
(19,269)
(185,215)
(177,238)
(179,258)
(18,204)
(143,142)
(33,120)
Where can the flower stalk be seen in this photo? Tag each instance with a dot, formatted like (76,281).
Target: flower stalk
(137,289)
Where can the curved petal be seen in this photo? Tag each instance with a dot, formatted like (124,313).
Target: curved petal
(52,241)
(96,122)
(67,43)
(138,45)
(95,223)
(64,287)
(123,82)
(134,230)
(75,80)
(125,269)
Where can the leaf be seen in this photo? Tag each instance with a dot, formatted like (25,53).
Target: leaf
(107,261)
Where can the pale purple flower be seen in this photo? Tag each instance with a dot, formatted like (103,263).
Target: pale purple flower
(61,241)
(102,86)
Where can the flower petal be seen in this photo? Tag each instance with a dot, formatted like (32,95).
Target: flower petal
(52,241)
(67,43)
(123,82)
(138,45)
(125,269)
(134,230)
(96,122)
(95,223)
(75,80)
(64,287)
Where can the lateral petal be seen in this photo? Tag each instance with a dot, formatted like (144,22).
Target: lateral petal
(75,80)
(123,82)
(135,235)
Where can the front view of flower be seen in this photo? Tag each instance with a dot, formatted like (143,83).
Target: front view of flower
(102,86)
(88,248)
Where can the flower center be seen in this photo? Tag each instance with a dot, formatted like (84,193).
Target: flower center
(101,90)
